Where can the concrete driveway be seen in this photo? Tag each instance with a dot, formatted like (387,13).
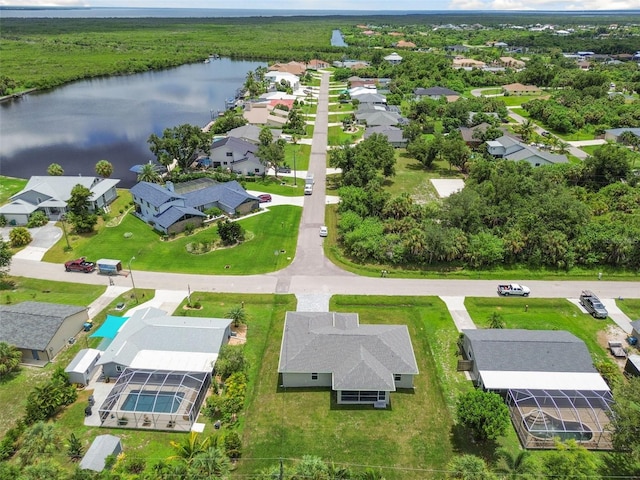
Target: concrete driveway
(43,238)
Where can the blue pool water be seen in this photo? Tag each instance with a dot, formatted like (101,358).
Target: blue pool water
(156,402)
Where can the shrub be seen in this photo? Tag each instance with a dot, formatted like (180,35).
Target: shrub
(232,445)
(3,221)
(37,219)
(19,237)
(189,228)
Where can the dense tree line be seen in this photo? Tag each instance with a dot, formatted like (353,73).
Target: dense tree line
(508,213)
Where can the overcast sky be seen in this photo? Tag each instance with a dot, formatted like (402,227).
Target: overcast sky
(560,5)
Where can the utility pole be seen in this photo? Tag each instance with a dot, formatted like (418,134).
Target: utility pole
(132,282)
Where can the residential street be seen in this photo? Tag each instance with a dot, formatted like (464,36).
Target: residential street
(310,272)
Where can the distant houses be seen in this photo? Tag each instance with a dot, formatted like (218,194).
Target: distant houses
(436,93)
(520,89)
(511,148)
(50,194)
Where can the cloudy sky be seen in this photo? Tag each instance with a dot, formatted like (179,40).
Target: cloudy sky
(560,5)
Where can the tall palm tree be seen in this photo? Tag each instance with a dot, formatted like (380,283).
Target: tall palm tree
(526,130)
(10,358)
(148,173)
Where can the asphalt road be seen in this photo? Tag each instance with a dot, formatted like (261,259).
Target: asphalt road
(310,272)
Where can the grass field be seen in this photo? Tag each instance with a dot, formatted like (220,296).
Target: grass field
(411,439)
(10,186)
(275,230)
(541,314)
(336,136)
(411,177)
(631,307)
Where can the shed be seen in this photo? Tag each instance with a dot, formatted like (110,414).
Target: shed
(100,449)
(632,367)
(83,366)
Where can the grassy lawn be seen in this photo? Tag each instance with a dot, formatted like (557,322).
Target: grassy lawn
(542,314)
(345,108)
(412,435)
(34,290)
(491,91)
(302,153)
(516,100)
(275,230)
(631,307)
(279,186)
(411,177)
(336,136)
(10,186)
(589,149)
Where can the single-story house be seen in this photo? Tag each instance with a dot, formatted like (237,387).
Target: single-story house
(372,98)
(374,118)
(263,112)
(467,63)
(39,329)
(354,92)
(613,134)
(511,148)
(101,447)
(294,68)
(436,93)
(405,44)
(548,381)
(352,64)
(50,195)
(520,89)
(512,62)
(355,81)
(83,366)
(393,59)
(315,64)
(171,207)
(394,135)
(363,364)
(275,77)
(457,48)
(163,365)
(471,134)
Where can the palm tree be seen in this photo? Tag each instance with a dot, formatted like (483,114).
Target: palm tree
(148,173)
(189,447)
(104,168)
(212,463)
(55,170)
(238,315)
(518,466)
(10,358)
(526,130)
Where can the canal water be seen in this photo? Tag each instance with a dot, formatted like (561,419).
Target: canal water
(337,40)
(111,118)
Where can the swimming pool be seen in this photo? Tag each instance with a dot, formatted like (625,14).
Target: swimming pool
(542,425)
(150,401)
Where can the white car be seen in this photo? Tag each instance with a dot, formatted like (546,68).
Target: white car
(324,231)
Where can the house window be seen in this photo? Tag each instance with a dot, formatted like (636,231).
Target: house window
(229,154)
(256,170)
(397,377)
(224,163)
(382,395)
(118,368)
(314,376)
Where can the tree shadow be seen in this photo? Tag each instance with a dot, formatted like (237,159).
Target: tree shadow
(463,443)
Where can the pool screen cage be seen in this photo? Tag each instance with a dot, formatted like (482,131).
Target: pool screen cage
(542,416)
(172,400)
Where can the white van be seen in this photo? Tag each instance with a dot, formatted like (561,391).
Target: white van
(308,189)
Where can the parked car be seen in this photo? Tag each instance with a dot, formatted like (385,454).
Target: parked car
(284,169)
(545,134)
(80,265)
(592,304)
(513,289)
(264,197)
(324,231)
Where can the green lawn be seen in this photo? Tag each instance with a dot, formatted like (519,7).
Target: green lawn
(541,314)
(275,230)
(336,136)
(346,108)
(411,177)
(516,100)
(302,153)
(34,290)
(279,186)
(10,186)
(414,434)
(631,307)
(589,149)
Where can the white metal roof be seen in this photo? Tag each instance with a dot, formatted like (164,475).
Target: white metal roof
(174,361)
(505,380)
(82,361)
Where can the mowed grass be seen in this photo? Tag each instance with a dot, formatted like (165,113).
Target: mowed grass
(410,439)
(10,186)
(337,136)
(411,177)
(34,290)
(631,307)
(267,233)
(541,314)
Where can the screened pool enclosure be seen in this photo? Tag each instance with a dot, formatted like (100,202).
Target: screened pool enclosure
(541,416)
(155,400)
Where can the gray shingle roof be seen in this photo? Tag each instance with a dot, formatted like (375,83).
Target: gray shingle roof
(529,350)
(32,325)
(360,357)
(174,213)
(393,134)
(153,193)
(432,91)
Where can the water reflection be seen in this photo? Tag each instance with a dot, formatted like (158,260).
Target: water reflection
(110,118)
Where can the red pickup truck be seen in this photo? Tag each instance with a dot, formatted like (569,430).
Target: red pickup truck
(80,265)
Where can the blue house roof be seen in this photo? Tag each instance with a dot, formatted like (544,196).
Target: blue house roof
(174,213)
(153,193)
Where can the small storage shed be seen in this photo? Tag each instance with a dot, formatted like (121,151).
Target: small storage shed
(83,366)
(100,449)
(632,367)
(109,266)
